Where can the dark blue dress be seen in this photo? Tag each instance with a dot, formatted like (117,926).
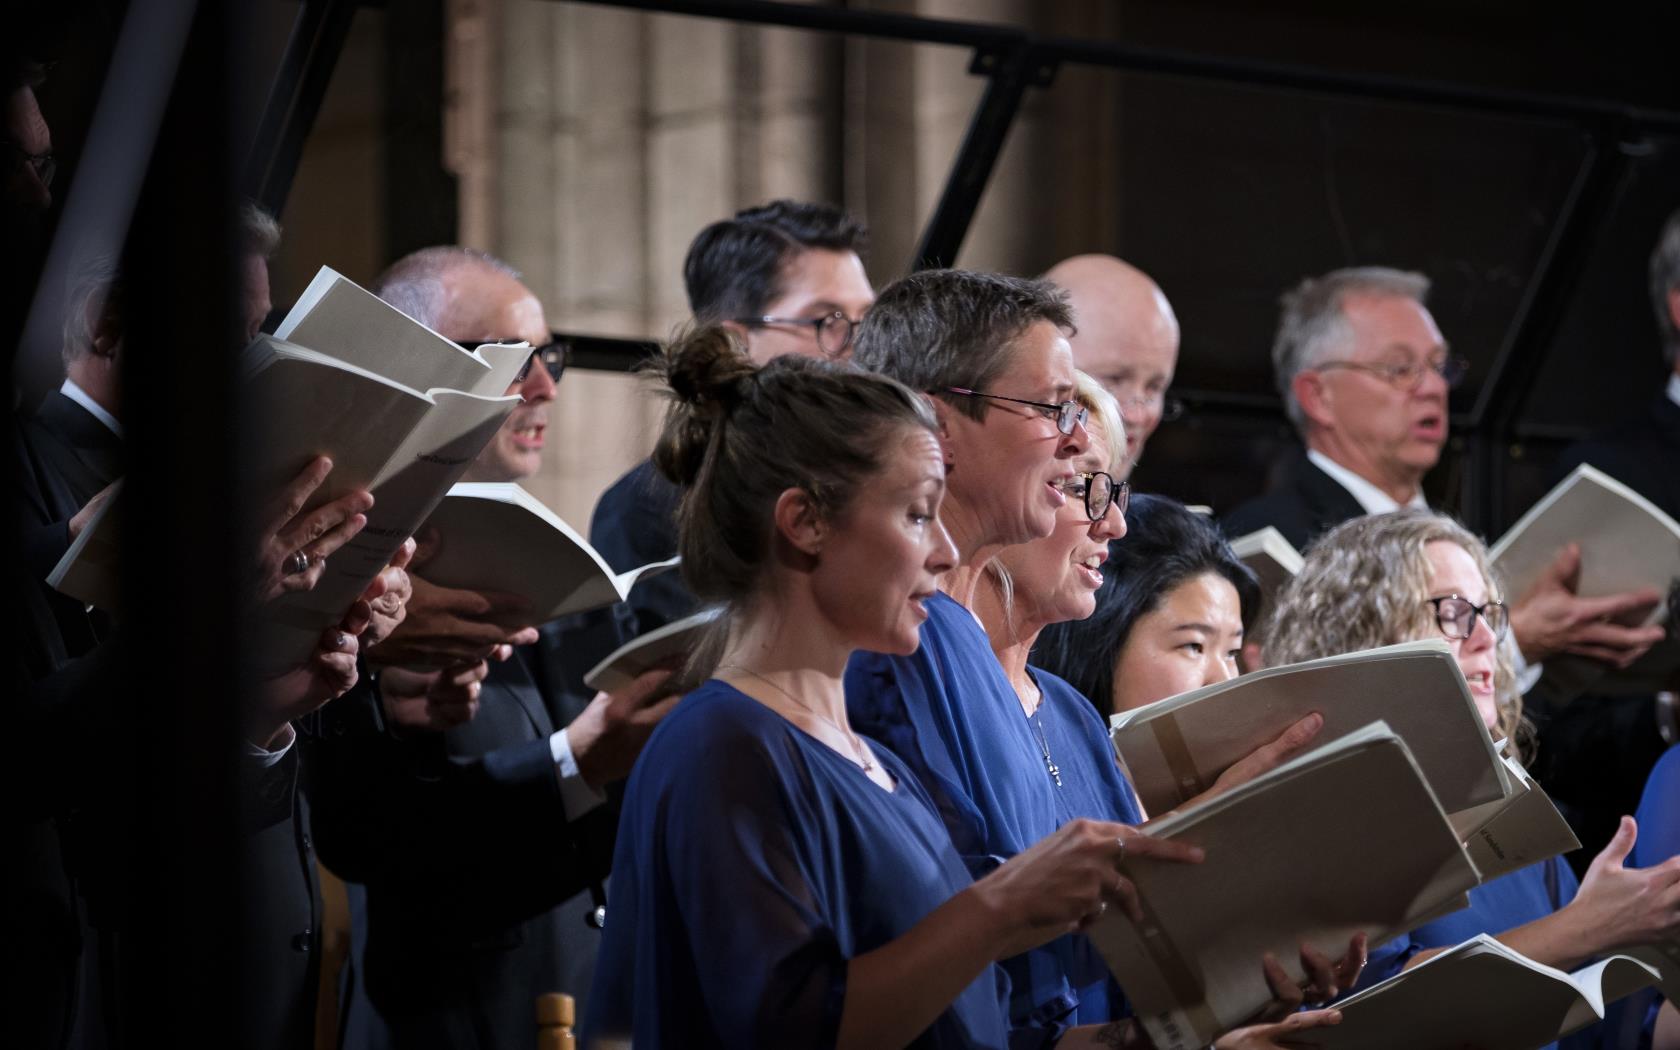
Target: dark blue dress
(1496,906)
(1659,813)
(949,711)
(752,863)
(1635,1017)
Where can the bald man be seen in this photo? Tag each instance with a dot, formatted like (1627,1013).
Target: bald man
(1127,338)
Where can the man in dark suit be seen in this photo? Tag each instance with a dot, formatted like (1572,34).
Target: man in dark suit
(73,704)
(464,803)
(787,277)
(1364,374)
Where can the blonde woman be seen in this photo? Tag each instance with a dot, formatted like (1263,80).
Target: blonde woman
(1414,574)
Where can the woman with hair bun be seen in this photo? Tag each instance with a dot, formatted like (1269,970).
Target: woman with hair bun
(779,881)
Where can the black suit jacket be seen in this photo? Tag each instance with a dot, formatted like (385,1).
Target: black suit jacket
(1641,453)
(1305,504)
(635,523)
(72,718)
(474,878)
(80,450)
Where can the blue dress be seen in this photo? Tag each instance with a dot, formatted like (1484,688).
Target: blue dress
(1501,904)
(752,863)
(1659,813)
(1635,1017)
(949,711)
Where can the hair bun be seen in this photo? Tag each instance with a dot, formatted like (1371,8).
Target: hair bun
(707,371)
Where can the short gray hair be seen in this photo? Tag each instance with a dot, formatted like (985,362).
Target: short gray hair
(944,328)
(1365,584)
(1313,323)
(259,234)
(1665,275)
(94,282)
(414,283)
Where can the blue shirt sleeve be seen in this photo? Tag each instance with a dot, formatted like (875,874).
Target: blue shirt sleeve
(720,918)
(1659,813)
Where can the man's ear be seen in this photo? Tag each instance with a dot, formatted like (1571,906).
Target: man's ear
(107,333)
(800,521)
(1314,397)
(1674,306)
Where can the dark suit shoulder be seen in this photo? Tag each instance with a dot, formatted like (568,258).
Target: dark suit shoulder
(1304,505)
(635,521)
(1639,452)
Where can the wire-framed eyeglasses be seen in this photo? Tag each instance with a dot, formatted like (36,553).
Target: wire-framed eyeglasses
(1456,616)
(1407,375)
(1067,414)
(833,331)
(1100,492)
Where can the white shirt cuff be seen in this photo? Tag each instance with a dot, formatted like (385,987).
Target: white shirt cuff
(1526,674)
(576,796)
(266,758)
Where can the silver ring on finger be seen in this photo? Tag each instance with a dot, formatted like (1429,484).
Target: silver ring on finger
(1102,906)
(1122,857)
(297,563)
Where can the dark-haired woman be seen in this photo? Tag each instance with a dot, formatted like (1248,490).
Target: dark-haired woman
(779,882)
(1170,614)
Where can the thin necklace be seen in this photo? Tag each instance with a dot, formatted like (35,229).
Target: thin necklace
(1036,722)
(857,743)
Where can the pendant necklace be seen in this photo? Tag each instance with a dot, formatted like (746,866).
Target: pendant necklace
(1037,723)
(858,746)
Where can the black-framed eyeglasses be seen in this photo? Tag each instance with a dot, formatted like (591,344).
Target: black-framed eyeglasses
(1100,492)
(833,331)
(1170,408)
(1407,376)
(1456,616)
(45,164)
(554,357)
(1067,414)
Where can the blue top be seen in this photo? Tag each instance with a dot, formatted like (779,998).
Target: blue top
(1659,813)
(1496,906)
(949,711)
(752,863)
(1659,839)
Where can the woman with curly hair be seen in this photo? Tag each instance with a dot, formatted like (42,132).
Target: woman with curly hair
(1414,574)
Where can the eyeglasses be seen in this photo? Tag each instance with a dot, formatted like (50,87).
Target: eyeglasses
(1457,616)
(1100,492)
(554,357)
(1170,407)
(1067,414)
(1407,376)
(833,331)
(45,165)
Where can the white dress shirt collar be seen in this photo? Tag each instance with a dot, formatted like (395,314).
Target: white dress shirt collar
(1369,496)
(1674,388)
(80,396)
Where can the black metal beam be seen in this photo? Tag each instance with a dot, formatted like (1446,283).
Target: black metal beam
(1009,70)
(604,352)
(294,101)
(1158,61)
(181,547)
(1522,357)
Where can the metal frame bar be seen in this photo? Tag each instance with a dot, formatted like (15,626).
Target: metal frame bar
(1014,59)
(294,101)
